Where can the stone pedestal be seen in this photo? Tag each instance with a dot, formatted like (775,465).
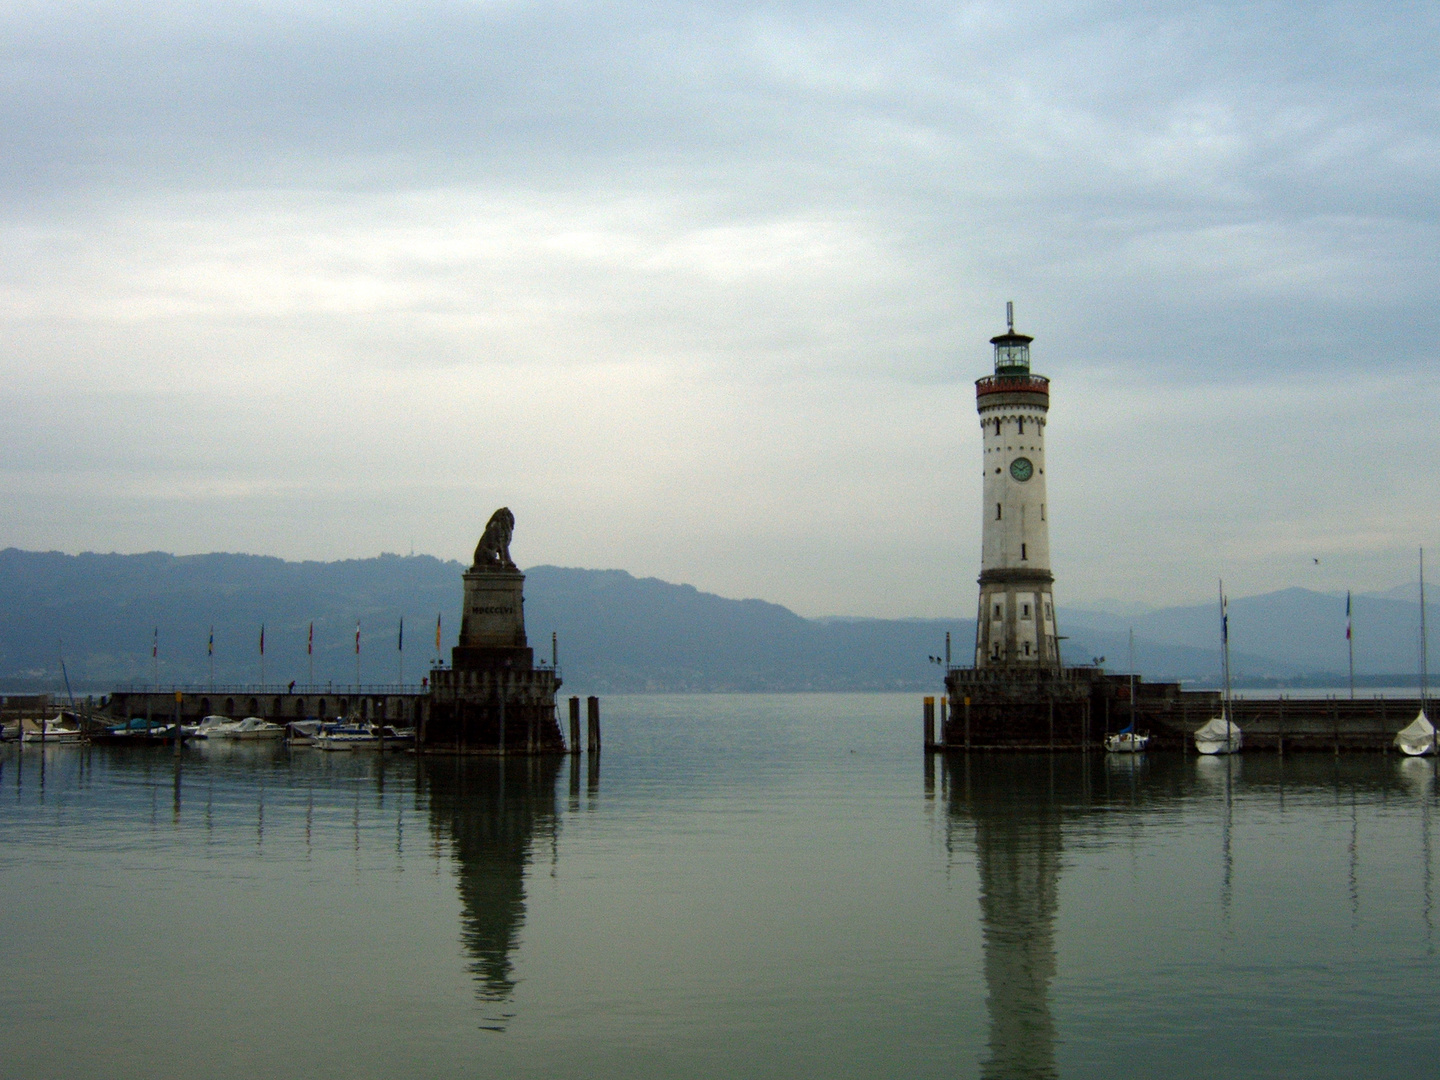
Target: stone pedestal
(492,623)
(492,699)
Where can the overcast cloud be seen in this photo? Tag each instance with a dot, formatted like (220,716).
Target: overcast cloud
(700,291)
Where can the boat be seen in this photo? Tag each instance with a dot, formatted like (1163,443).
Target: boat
(253,728)
(346,737)
(1127,740)
(52,731)
(399,737)
(1417,739)
(1220,734)
(139,733)
(249,729)
(302,732)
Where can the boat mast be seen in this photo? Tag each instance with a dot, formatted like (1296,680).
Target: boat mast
(1225,659)
(1424,650)
(1132,687)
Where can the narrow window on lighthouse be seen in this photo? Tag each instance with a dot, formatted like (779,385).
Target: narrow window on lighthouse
(999,612)
(997,427)
(1027,648)
(997,511)
(1021,425)
(1022,553)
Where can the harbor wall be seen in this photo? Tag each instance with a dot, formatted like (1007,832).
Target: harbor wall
(392,704)
(1076,708)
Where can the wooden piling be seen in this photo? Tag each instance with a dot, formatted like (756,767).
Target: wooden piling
(944,710)
(574,725)
(592,710)
(929,724)
(967,724)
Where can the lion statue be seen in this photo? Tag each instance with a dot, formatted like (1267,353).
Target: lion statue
(493,551)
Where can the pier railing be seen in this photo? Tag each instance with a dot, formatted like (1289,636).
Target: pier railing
(274,689)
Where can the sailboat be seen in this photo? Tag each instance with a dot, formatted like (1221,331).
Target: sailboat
(1221,735)
(1418,737)
(1127,740)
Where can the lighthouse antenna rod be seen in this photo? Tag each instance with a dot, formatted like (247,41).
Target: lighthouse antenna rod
(1010,315)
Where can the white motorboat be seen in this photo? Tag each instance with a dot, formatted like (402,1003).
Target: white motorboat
(1126,742)
(346,737)
(51,731)
(251,728)
(1219,736)
(211,724)
(1418,737)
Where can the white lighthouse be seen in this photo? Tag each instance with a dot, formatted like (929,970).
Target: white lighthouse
(1015,628)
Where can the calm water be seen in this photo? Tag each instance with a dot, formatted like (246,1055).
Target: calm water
(747,886)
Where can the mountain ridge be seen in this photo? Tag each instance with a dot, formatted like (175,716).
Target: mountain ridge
(616,632)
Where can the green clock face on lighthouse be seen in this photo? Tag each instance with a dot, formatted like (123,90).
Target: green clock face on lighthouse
(1022,469)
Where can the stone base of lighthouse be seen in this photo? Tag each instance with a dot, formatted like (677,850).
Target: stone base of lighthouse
(1068,709)
(1016,709)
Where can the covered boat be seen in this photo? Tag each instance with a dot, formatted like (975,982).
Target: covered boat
(1219,736)
(303,732)
(1418,737)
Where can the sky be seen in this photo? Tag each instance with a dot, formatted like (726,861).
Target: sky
(700,291)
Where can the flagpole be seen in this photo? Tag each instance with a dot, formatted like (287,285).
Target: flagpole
(262,657)
(211,649)
(310,652)
(1350,642)
(357,655)
(155,658)
(400,648)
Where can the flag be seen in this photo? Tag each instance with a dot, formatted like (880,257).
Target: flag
(357,637)
(1347,614)
(262,639)
(210,649)
(400,641)
(437,632)
(1224,619)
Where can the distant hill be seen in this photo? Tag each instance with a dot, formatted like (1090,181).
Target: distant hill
(616,632)
(1283,633)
